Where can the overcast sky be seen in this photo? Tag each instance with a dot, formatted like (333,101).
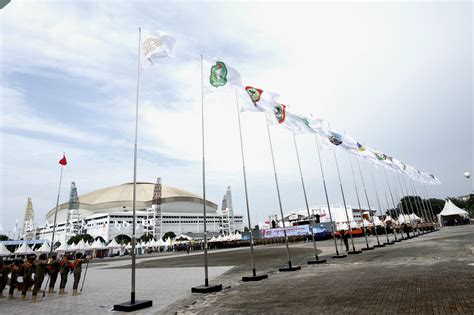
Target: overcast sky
(396,76)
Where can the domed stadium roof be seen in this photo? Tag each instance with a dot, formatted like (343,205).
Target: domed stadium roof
(120,197)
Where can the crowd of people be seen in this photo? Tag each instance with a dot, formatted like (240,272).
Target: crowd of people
(29,273)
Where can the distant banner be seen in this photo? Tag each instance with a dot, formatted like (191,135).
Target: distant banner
(291,231)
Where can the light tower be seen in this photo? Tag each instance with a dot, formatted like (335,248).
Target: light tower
(74,219)
(27,233)
(155,211)
(227,212)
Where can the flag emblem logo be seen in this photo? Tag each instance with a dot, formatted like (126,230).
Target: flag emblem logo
(150,44)
(334,138)
(404,166)
(254,94)
(218,74)
(280,112)
(360,147)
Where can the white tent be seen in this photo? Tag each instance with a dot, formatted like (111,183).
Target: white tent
(450,209)
(45,248)
(168,241)
(24,250)
(63,248)
(377,221)
(366,223)
(98,245)
(354,225)
(342,226)
(113,244)
(82,246)
(4,251)
(409,218)
(73,246)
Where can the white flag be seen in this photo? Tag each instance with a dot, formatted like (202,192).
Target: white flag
(155,45)
(253,99)
(218,75)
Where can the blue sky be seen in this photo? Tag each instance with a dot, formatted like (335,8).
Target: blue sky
(396,76)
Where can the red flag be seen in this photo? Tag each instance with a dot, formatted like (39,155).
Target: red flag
(63,161)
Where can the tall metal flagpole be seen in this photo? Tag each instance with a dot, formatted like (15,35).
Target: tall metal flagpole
(368,204)
(290,267)
(422,208)
(206,288)
(430,206)
(327,200)
(391,196)
(56,210)
(398,191)
(409,200)
(402,207)
(418,208)
(425,205)
(419,230)
(134,304)
(254,276)
(354,251)
(311,222)
(380,206)
(358,202)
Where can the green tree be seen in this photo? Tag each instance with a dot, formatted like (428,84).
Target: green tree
(466,204)
(146,237)
(76,238)
(168,234)
(3,237)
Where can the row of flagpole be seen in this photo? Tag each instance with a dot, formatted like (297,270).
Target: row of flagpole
(220,75)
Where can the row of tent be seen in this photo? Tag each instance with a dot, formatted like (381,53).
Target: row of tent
(409,218)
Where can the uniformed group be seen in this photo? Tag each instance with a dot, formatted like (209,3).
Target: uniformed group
(30,273)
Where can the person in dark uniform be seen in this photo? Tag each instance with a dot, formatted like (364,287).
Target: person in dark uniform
(4,271)
(53,270)
(40,270)
(27,270)
(15,270)
(63,272)
(77,270)
(345,237)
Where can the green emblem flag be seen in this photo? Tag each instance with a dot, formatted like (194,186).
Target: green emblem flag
(219,75)
(252,99)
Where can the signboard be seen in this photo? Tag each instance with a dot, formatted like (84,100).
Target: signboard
(291,231)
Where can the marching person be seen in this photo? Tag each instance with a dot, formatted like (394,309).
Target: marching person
(344,237)
(27,270)
(15,270)
(77,270)
(53,268)
(40,269)
(4,271)
(63,272)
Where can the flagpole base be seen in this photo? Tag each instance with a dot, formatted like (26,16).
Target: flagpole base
(288,269)
(129,307)
(317,262)
(367,248)
(353,252)
(389,243)
(339,256)
(378,246)
(397,241)
(206,289)
(254,278)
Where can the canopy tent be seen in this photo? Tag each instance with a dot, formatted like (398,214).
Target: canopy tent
(24,250)
(409,218)
(366,223)
(377,221)
(45,248)
(342,226)
(4,251)
(113,244)
(451,212)
(98,245)
(63,248)
(82,246)
(354,225)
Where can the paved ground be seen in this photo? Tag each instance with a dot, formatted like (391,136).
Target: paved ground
(433,273)
(430,274)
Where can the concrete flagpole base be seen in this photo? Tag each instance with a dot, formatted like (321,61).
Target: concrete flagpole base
(206,289)
(287,269)
(353,252)
(367,248)
(130,307)
(389,243)
(378,246)
(316,262)
(339,256)
(254,278)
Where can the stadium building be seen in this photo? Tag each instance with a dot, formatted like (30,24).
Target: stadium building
(107,212)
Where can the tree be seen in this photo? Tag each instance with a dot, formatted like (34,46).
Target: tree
(76,238)
(3,237)
(466,204)
(146,237)
(411,204)
(168,234)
